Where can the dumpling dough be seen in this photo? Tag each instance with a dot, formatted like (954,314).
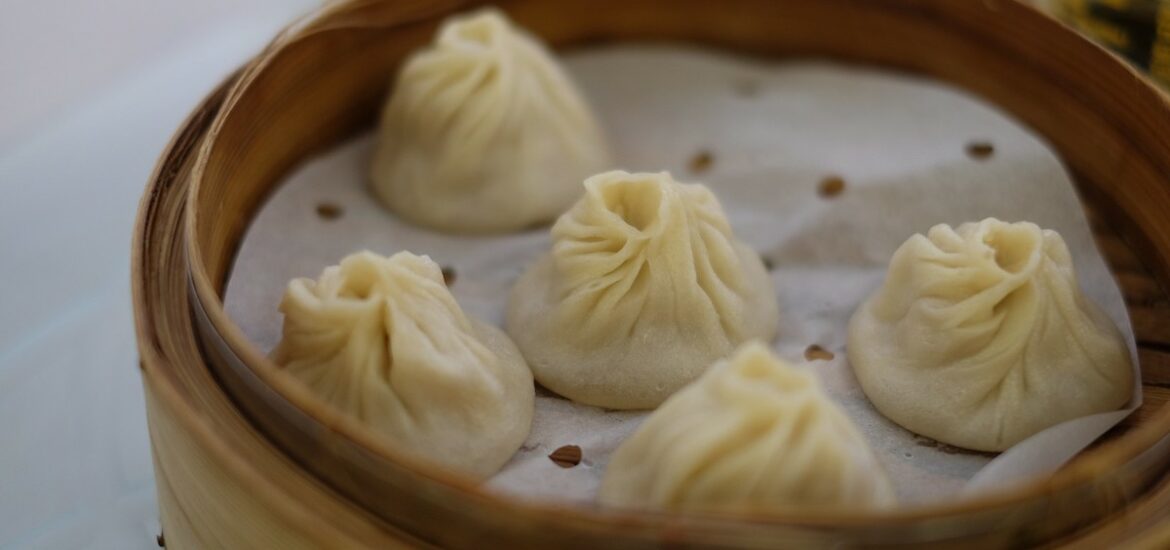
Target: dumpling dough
(484,132)
(645,287)
(980,337)
(383,340)
(752,433)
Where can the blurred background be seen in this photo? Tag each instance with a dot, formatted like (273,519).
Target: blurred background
(90,93)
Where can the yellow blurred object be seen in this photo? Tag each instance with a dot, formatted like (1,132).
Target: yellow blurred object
(1139,30)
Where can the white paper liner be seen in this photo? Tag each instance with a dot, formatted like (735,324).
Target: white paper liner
(774,131)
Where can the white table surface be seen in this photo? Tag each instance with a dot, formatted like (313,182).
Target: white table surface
(76,148)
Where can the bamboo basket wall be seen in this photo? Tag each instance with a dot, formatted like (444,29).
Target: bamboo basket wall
(246,459)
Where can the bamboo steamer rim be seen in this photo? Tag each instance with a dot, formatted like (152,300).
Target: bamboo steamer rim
(343,424)
(205,294)
(158,359)
(150,361)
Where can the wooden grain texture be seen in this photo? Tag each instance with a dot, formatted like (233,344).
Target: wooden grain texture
(1141,525)
(330,482)
(1149,311)
(1155,365)
(220,483)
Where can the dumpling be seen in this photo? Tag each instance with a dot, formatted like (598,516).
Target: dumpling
(382,339)
(484,132)
(752,433)
(644,288)
(980,337)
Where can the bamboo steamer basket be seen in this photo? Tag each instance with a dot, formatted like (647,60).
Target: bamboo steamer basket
(246,459)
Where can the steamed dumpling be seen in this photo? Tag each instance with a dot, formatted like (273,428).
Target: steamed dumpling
(752,433)
(382,339)
(484,132)
(645,287)
(980,337)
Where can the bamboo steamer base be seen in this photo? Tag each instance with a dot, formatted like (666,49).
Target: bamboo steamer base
(234,471)
(220,483)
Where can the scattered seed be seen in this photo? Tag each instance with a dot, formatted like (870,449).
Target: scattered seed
(701,162)
(980,150)
(448,275)
(329,211)
(817,353)
(566,456)
(831,187)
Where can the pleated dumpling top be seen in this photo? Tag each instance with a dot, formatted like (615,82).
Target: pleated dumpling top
(752,434)
(383,340)
(484,132)
(980,337)
(645,287)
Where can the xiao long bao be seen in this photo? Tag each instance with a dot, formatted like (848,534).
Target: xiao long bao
(383,340)
(484,132)
(980,337)
(645,287)
(753,433)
